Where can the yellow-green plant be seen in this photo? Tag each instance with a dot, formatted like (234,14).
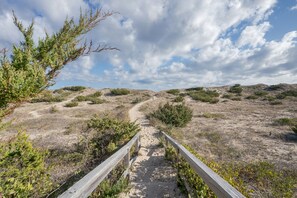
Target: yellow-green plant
(23,172)
(33,67)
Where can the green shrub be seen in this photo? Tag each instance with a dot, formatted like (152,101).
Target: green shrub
(120,91)
(48,96)
(23,172)
(195,89)
(136,100)
(96,100)
(236,98)
(109,131)
(173,91)
(205,96)
(283,95)
(178,99)
(74,88)
(286,121)
(252,97)
(71,104)
(228,96)
(174,115)
(260,93)
(236,89)
(274,87)
(277,102)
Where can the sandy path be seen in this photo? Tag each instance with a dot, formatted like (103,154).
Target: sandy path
(151,175)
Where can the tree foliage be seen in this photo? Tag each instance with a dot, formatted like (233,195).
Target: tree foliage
(33,67)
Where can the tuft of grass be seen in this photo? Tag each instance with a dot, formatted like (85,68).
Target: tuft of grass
(178,99)
(205,96)
(228,96)
(236,89)
(53,109)
(195,89)
(213,115)
(71,104)
(260,93)
(96,100)
(252,97)
(276,102)
(173,91)
(286,121)
(120,91)
(74,88)
(174,115)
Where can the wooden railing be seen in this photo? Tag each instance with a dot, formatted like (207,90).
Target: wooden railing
(217,184)
(85,186)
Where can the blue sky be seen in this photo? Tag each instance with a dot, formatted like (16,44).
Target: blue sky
(170,43)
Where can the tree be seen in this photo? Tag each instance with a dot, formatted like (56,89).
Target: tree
(32,68)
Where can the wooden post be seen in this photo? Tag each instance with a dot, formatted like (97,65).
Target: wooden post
(127,162)
(137,145)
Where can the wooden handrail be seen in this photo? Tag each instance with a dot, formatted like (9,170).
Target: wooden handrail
(85,186)
(217,184)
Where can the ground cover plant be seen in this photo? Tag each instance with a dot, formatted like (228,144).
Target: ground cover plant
(205,96)
(120,91)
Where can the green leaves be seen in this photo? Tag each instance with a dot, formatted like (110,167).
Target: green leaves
(22,169)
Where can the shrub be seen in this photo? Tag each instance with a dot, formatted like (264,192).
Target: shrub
(260,93)
(205,96)
(284,94)
(274,87)
(136,100)
(96,94)
(71,104)
(195,89)
(178,99)
(236,89)
(174,115)
(236,98)
(110,133)
(22,169)
(96,100)
(53,109)
(173,91)
(228,96)
(74,88)
(120,91)
(213,115)
(277,102)
(252,97)
(286,121)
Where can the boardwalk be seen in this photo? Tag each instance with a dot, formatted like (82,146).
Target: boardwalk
(152,175)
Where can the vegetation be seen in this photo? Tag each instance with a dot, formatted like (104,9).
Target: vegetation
(22,169)
(283,95)
(260,93)
(32,68)
(274,87)
(178,99)
(195,89)
(236,89)
(276,102)
(205,96)
(136,100)
(74,88)
(93,98)
(110,133)
(71,104)
(263,177)
(120,91)
(213,115)
(286,121)
(174,115)
(48,96)
(173,91)
(252,97)
(294,128)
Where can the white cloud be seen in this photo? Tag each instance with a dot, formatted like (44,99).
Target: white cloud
(294,7)
(171,42)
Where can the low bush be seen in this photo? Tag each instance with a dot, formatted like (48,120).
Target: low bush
(74,88)
(173,91)
(205,96)
(213,115)
(236,98)
(136,100)
(236,89)
(283,95)
(120,91)
(294,128)
(71,104)
(252,97)
(174,115)
(23,172)
(228,96)
(96,94)
(109,131)
(276,102)
(178,99)
(96,100)
(286,121)
(274,87)
(195,89)
(260,93)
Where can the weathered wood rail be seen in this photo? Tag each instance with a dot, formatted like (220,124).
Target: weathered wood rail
(85,186)
(217,184)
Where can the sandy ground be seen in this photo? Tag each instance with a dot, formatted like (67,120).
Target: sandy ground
(242,131)
(151,175)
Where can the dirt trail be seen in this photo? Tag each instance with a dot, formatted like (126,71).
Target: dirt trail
(151,175)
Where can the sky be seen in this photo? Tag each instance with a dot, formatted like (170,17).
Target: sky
(167,44)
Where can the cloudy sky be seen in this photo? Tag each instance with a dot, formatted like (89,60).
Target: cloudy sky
(172,43)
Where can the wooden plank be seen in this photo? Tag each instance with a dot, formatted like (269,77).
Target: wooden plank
(85,186)
(217,184)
